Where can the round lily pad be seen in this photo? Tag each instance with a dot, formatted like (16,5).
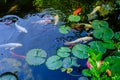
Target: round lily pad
(97,24)
(63,52)
(98,46)
(54,62)
(36,57)
(80,51)
(108,44)
(8,76)
(103,33)
(74,18)
(64,29)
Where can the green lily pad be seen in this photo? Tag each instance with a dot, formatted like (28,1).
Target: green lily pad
(74,18)
(36,57)
(108,44)
(80,51)
(114,62)
(103,33)
(97,24)
(69,62)
(54,62)
(98,46)
(64,29)
(117,36)
(63,52)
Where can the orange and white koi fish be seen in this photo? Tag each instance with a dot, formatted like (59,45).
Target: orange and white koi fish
(83,39)
(16,55)
(77,11)
(20,28)
(10,46)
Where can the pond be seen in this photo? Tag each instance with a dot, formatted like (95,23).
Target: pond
(36,34)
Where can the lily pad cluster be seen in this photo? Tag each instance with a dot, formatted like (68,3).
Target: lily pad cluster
(36,57)
(102,30)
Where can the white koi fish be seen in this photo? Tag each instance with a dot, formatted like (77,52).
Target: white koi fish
(95,9)
(20,28)
(10,46)
(42,21)
(56,19)
(84,39)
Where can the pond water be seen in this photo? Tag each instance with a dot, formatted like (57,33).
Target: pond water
(42,35)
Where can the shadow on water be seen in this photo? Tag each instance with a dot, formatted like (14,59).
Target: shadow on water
(41,35)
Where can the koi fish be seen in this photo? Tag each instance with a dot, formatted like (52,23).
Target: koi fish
(20,28)
(56,19)
(13,8)
(95,9)
(84,39)
(77,11)
(42,21)
(8,23)
(16,55)
(10,46)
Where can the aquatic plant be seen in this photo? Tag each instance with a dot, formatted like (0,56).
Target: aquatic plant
(36,57)
(8,76)
(74,18)
(117,36)
(64,29)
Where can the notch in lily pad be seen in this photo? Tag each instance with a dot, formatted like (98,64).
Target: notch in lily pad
(64,29)
(36,57)
(80,51)
(97,24)
(63,52)
(54,62)
(74,18)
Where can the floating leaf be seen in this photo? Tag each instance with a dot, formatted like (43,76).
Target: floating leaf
(64,29)
(8,76)
(108,44)
(98,46)
(103,33)
(74,18)
(63,52)
(54,62)
(83,78)
(114,62)
(36,57)
(80,51)
(97,24)
(117,36)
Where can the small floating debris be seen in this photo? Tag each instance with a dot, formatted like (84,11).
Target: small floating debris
(8,76)
(36,57)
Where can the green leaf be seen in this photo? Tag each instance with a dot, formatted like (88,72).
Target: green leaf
(36,57)
(98,57)
(74,18)
(98,46)
(86,72)
(97,24)
(103,33)
(63,52)
(80,51)
(109,44)
(117,36)
(67,62)
(54,62)
(64,29)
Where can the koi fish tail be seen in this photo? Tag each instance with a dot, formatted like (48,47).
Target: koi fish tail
(16,55)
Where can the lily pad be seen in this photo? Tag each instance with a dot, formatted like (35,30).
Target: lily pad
(63,52)
(80,51)
(98,46)
(8,76)
(54,62)
(36,57)
(69,62)
(97,24)
(114,62)
(74,18)
(83,78)
(117,36)
(64,29)
(108,44)
(103,33)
